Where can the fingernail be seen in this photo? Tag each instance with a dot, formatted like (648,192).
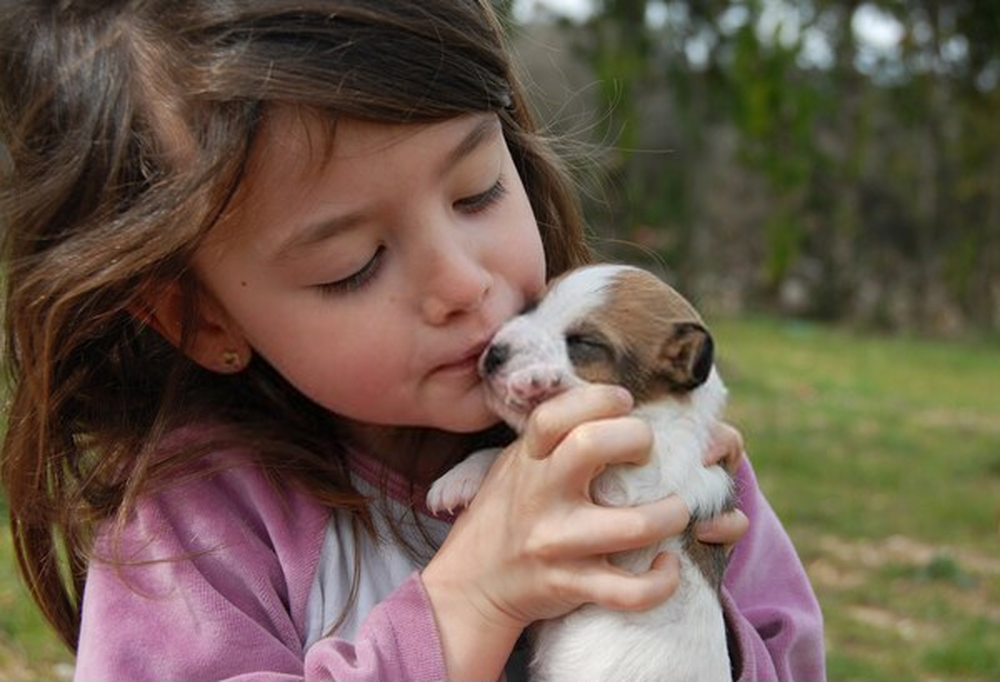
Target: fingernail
(662,561)
(624,395)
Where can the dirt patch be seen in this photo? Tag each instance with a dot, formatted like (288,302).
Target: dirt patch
(967,576)
(899,549)
(960,419)
(907,629)
(11,669)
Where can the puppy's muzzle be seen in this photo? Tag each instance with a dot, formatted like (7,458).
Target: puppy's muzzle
(493,359)
(519,380)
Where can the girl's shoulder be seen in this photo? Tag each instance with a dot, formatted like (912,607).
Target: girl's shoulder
(220,547)
(221,497)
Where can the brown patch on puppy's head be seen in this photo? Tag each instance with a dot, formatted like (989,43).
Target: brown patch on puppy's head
(645,336)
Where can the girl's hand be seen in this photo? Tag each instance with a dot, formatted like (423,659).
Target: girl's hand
(726,449)
(533,545)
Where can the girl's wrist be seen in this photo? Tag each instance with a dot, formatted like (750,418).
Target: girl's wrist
(476,637)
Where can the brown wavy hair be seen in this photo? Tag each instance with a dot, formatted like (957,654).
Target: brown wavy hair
(99,205)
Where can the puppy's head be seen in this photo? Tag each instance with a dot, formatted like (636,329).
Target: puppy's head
(608,324)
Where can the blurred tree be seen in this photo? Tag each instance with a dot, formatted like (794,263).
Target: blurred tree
(880,163)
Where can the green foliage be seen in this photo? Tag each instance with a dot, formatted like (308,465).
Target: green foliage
(784,239)
(28,648)
(876,168)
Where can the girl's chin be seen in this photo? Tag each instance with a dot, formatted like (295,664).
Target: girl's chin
(469,416)
(465,413)
(469,423)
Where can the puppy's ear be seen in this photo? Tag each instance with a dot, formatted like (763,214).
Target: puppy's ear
(686,356)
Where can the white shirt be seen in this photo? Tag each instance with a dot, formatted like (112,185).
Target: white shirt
(384,563)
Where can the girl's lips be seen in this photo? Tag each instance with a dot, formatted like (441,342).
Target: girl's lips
(467,362)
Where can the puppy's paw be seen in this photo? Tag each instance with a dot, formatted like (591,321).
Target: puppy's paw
(537,383)
(456,489)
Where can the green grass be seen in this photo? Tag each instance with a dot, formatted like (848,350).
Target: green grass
(28,649)
(881,455)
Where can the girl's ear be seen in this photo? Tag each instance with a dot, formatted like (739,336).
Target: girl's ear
(214,341)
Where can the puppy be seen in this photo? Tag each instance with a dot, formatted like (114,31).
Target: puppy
(621,325)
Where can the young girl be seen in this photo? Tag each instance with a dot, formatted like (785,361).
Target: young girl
(252,252)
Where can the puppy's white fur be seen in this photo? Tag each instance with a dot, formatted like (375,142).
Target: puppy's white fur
(684,638)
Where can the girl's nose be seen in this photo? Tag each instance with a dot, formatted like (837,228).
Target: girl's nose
(455,282)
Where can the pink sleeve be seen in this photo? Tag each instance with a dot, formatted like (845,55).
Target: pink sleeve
(212,585)
(775,622)
(398,641)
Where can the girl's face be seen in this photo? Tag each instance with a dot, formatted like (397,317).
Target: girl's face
(371,277)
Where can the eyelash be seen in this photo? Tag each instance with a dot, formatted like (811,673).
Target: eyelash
(484,201)
(359,280)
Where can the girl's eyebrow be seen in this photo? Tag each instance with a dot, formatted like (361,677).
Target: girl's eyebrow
(314,233)
(475,138)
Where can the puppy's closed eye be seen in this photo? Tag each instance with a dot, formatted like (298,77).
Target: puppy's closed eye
(585,349)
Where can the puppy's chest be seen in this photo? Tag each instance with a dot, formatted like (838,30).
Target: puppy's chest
(673,465)
(625,485)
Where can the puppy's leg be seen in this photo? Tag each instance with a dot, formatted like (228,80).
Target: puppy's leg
(460,484)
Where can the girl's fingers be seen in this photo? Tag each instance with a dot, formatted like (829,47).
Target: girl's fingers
(725,448)
(590,447)
(592,530)
(551,421)
(724,529)
(614,588)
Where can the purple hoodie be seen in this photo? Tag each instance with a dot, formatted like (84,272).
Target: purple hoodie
(214,575)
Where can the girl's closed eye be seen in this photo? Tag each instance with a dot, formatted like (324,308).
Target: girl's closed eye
(357,280)
(478,203)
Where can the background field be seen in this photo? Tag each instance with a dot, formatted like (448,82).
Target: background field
(882,455)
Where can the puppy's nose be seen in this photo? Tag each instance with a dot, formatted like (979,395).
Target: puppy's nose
(496,355)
